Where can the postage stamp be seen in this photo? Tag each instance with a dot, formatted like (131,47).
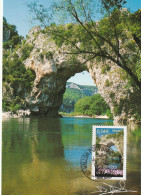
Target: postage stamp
(109,155)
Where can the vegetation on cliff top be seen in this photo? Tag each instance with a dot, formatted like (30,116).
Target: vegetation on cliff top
(115,37)
(11,37)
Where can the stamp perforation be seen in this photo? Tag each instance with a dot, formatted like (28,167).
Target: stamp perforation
(124,158)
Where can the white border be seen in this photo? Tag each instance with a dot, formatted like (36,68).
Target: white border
(1,40)
(124,152)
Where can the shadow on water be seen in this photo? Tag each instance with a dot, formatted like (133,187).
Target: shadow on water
(42,156)
(19,138)
(48,142)
(32,154)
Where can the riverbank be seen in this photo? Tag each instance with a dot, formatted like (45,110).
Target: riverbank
(20,114)
(26,113)
(83,116)
(96,116)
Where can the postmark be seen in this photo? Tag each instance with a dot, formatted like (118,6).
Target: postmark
(87,160)
(109,156)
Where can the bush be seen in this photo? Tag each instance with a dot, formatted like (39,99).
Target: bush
(19,79)
(108,83)
(14,108)
(48,55)
(109,114)
(26,50)
(94,105)
(13,39)
(105,68)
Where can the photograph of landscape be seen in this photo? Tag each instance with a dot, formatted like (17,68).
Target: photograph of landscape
(109,163)
(68,65)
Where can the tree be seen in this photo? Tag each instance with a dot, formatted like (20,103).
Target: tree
(94,105)
(17,80)
(11,37)
(114,37)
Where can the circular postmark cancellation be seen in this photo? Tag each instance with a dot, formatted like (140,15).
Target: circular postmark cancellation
(89,160)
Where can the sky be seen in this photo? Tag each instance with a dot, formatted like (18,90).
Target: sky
(83,78)
(114,148)
(101,131)
(16,12)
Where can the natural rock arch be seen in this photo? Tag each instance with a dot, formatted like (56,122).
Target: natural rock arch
(53,67)
(113,141)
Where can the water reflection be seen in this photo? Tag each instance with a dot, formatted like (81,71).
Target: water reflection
(29,153)
(48,142)
(42,156)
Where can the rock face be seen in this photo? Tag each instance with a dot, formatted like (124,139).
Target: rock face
(53,68)
(118,142)
(52,72)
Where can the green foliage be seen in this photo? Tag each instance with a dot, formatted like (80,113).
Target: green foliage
(116,135)
(116,37)
(13,106)
(84,105)
(69,99)
(17,80)
(114,154)
(97,140)
(138,68)
(10,35)
(26,50)
(110,4)
(104,69)
(135,23)
(109,114)
(48,55)
(73,59)
(94,105)
(15,73)
(107,83)
(72,95)
(23,42)
(112,95)
(38,49)
(132,109)
(36,34)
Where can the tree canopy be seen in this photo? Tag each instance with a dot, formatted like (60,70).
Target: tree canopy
(17,80)
(100,30)
(94,105)
(11,38)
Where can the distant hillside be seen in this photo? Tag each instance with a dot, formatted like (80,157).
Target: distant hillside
(86,90)
(73,93)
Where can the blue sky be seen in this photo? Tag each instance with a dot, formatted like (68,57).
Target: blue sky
(83,78)
(114,148)
(104,131)
(16,12)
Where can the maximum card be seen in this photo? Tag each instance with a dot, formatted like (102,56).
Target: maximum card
(109,155)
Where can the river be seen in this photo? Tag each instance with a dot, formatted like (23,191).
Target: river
(42,156)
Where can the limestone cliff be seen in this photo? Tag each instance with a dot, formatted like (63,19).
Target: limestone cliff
(53,67)
(112,140)
(52,70)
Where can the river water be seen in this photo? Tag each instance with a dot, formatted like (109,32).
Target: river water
(42,157)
